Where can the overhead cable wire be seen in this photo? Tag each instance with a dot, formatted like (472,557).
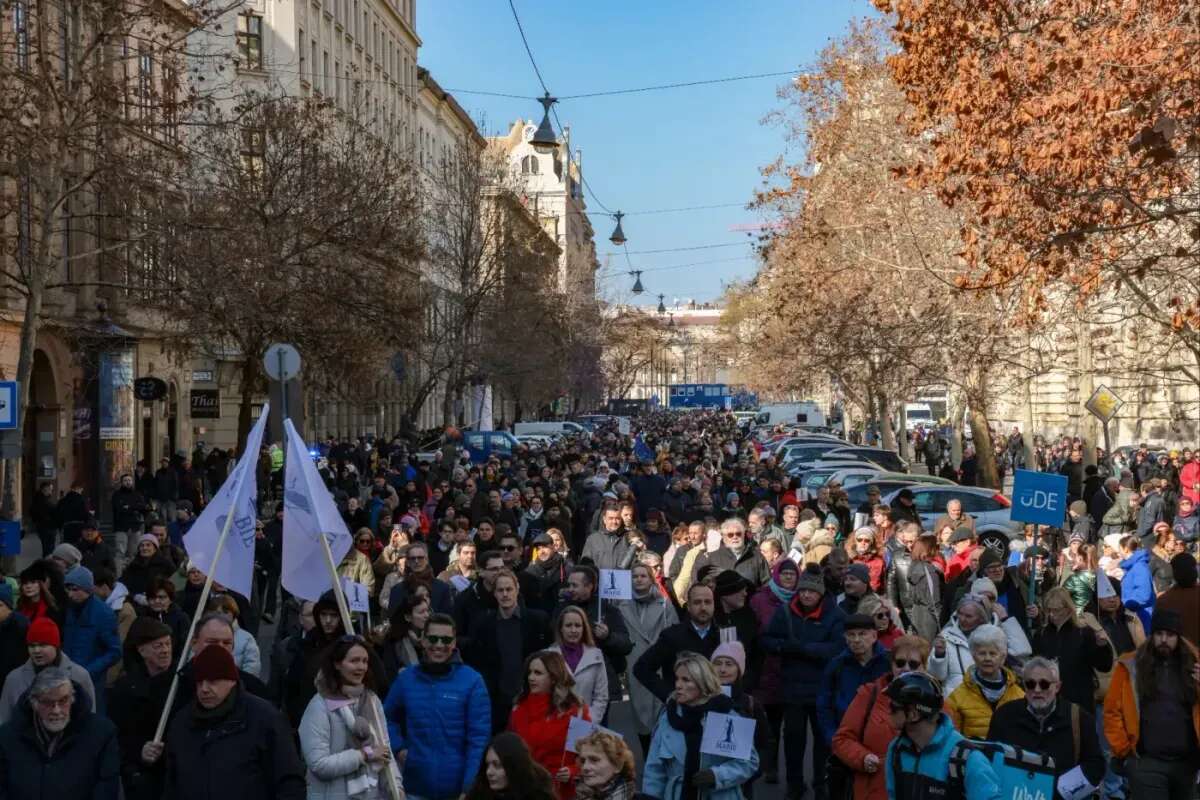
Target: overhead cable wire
(528,50)
(683,249)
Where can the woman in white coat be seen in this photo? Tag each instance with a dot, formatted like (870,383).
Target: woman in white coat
(343,737)
(646,616)
(573,639)
(951,657)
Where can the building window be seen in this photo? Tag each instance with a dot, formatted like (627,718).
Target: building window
(529,165)
(254,151)
(300,50)
(170,102)
(325,76)
(249,41)
(145,85)
(21,31)
(315,64)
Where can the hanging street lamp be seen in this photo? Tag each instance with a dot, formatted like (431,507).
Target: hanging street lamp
(544,140)
(618,235)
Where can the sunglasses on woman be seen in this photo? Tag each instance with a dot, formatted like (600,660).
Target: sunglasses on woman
(906,664)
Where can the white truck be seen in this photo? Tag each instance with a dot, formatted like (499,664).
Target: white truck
(803,415)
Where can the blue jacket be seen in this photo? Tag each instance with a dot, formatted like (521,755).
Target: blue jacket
(933,765)
(444,722)
(840,683)
(663,776)
(1137,585)
(90,639)
(806,643)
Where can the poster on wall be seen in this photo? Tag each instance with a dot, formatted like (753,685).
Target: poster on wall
(116,394)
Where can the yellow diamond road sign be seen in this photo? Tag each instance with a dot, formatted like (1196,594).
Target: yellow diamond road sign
(1104,404)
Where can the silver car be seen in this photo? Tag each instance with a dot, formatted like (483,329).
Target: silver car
(990,509)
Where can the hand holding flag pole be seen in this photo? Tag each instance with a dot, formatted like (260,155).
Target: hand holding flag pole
(238,500)
(310,516)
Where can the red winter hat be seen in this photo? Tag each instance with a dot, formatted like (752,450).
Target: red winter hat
(43,631)
(214,663)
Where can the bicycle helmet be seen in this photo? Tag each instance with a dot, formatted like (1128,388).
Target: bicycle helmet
(916,690)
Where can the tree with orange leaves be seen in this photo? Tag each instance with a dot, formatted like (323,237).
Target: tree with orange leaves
(1066,134)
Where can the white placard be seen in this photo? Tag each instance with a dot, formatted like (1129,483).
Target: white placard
(1074,785)
(728,635)
(727,735)
(616,584)
(578,727)
(623,426)
(357,597)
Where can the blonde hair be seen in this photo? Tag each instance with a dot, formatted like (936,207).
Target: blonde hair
(614,749)
(700,670)
(1060,595)
(587,639)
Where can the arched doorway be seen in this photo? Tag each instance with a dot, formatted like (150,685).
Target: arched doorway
(40,446)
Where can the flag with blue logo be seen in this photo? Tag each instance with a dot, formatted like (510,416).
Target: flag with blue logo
(642,451)
(309,512)
(238,496)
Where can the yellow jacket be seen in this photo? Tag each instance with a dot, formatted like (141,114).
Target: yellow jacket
(971,712)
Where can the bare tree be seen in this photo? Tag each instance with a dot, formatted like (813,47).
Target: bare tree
(297,224)
(92,98)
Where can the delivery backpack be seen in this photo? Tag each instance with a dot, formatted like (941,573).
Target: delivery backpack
(1022,775)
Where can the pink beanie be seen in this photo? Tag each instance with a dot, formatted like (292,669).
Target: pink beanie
(732,650)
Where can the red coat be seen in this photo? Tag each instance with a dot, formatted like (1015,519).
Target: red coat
(958,562)
(866,729)
(877,569)
(546,735)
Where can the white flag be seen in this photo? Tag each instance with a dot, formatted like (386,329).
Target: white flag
(308,512)
(238,495)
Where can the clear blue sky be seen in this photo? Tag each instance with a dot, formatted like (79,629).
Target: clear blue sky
(693,146)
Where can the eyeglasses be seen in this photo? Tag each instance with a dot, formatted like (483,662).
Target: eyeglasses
(439,639)
(907,663)
(418,558)
(883,615)
(1041,685)
(508,548)
(64,702)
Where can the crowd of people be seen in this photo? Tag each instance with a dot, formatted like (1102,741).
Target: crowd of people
(876,655)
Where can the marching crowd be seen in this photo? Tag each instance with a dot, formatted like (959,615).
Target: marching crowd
(883,658)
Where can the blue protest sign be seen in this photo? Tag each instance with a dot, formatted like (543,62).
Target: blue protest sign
(1039,497)
(10,538)
(8,405)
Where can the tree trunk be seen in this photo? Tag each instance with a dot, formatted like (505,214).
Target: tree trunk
(1088,429)
(985,457)
(30,325)
(956,426)
(419,397)
(885,423)
(249,387)
(1027,423)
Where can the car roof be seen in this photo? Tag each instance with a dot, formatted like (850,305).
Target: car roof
(983,491)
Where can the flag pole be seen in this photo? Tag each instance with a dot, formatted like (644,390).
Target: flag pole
(208,582)
(344,610)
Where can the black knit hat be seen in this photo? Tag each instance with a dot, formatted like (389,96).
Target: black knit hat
(1183,570)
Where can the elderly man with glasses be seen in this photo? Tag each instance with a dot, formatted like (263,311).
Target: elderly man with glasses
(1045,722)
(56,746)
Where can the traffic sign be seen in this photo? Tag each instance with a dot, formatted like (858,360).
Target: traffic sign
(1104,404)
(1039,497)
(8,405)
(282,362)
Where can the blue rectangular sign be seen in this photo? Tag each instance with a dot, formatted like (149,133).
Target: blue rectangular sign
(1039,497)
(10,538)
(8,405)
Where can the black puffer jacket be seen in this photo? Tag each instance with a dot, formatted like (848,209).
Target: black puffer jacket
(249,754)
(1075,648)
(1013,724)
(85,765)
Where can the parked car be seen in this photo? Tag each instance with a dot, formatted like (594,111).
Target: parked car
(853,476)
(991,510)
(884,458)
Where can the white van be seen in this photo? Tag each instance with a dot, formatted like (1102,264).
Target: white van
(549,428)
(803,415)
